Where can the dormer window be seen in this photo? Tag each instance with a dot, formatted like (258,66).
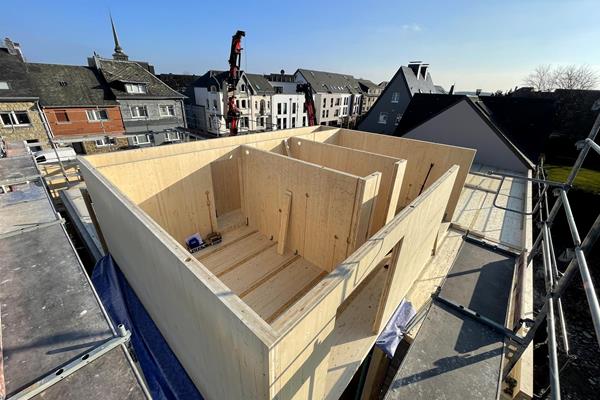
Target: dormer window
(136,88)
(213,89)
(3,85)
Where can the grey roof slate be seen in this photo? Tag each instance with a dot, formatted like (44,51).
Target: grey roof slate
(331,82)
(260,84)
(211,77)
(60,85)
(14,72)
(117,73)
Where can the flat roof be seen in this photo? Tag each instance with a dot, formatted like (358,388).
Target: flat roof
(50,313)
(452,355)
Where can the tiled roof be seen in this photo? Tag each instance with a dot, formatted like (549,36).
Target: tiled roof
(117,73)
(330,82)
(14,73)
(69,85)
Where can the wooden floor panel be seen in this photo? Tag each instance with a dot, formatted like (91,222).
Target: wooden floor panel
(247,262)
(278,293)
(237,252)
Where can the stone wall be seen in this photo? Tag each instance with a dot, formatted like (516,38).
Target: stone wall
(91,148)
(34,131)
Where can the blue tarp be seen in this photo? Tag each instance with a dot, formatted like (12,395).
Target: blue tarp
(165,377)
(394,331)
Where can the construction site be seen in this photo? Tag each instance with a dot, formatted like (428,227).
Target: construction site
(316,262)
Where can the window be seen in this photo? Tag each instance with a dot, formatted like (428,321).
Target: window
(237,103)
(323,114)
(293,122)
(383,118)
(293,108)
(395,97)
(243,103)
(397,121)
(215,103)
(278,108)
(97,115)
(15,118)
(303,107)
(166,111)
(103,142)
(256,104)
(285,123)
(3,85)
(278,123)
(243,88)
(260,121)
(324,102)
(337,112)
(332,102)
(141,139)
(172,136)
(327,113)
(303,121)
(61,116)
(337,101)
(139,112)
(207,103)
(135,88)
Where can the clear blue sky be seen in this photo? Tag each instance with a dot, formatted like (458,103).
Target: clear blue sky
(475,44)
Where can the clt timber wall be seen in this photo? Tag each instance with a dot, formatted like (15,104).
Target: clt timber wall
(318,212)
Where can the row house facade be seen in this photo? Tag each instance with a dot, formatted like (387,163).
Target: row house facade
(337,97)
(289,110)
(78,108)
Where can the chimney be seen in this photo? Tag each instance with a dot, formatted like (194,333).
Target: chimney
(14,49)
(423,70)
(414,65)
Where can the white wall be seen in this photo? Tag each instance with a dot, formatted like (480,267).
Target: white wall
(461,126)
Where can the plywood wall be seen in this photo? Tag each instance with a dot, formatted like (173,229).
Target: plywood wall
(176,191)
(226,183)
(359,163)
(426,161)
(304,327)
(326,205)
(220,341)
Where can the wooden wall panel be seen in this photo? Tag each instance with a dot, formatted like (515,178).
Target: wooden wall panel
(426,161)
(359,163)
(220,341)
(226,183)
(322,214)
(301,327)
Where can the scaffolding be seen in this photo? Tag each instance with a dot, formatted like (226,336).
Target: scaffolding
(556,282)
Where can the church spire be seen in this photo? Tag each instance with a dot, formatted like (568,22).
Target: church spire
(118,54)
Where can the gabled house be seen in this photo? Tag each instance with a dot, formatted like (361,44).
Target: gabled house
(78,107)
(508,133)
(184,84)
(153,113)
(337,96)
(386,112)
(371,92)
(289,110)
(20,117)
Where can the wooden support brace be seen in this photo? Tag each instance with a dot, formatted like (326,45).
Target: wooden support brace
(90,207)
(286,147)
(284,221)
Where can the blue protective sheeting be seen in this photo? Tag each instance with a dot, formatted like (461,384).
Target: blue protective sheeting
(394,331)
(165,377)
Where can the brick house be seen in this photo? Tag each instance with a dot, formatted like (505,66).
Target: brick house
(20,118)
(79,107)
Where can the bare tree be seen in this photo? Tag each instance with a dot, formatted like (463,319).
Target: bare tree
(547,78)
(542,78)
(574,77)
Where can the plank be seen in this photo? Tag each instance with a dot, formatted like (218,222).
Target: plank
(275,293)
(242,250)
(285,218)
